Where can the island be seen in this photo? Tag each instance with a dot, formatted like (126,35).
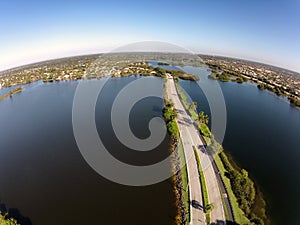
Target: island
(145,69)
(163,64)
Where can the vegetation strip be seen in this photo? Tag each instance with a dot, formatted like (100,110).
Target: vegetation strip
(244,191)
(238,214)
(184,185)
(207,207)
(11,93)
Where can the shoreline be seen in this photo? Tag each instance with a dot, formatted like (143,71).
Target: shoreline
(11,93)
(279,91)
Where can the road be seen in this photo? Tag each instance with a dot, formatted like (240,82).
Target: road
(190,137)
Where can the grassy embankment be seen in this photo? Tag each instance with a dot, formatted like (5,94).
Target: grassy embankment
(11,93)
(248,206)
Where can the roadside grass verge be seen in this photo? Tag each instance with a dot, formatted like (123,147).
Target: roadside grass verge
(186,104)
(193,114)
(207,207)
(184,177)
(204,130)
(206,133)
(224,206)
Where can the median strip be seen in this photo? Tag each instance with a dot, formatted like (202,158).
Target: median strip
(207,206)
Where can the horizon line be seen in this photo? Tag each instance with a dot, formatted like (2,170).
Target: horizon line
(118,52)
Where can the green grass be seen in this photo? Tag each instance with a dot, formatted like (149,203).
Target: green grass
(184,176)
(224,206)
(204,130)
(206,133)
(207,140)
(193,114)
(186,105)
(203,187)
(202,179)
(238,214)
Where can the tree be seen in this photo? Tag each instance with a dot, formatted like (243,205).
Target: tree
(160,71)
(170,114)
(243,189)
(244,173)
(257,221)
(169,111)
(173,129)
(203,118)
(7,221)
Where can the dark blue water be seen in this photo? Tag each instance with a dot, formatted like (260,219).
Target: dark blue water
(44,177)
(262,136)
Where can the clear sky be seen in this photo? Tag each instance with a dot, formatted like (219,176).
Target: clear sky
(261,30)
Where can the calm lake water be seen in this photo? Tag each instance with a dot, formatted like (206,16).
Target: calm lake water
(44,177)
(262,136)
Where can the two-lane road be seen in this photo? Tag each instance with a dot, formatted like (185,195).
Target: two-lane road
(190,137)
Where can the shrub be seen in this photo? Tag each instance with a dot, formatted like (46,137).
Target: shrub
(173,128)
(7,221)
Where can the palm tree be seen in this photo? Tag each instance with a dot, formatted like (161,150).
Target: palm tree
(203,118)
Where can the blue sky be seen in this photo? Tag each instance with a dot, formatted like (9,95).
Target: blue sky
(265,31)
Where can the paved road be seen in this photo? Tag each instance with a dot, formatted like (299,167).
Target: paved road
(190,137)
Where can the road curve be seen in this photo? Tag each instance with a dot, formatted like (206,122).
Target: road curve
(190,137)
